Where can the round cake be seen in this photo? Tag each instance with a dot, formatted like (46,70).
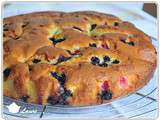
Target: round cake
(77,58)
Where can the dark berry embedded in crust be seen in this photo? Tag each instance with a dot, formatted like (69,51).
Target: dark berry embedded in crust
(30,69)
(93,26)
(55,41)
(24,98)
(60,77)
(66,94)
(103,65)
(5,27)
(53,100)
(115,62)
(106,95)
(116,24)
(6,72)
(93,45)
(106,58)
(36,61)
(105,46)
(95,60)
(62,102)
(61,99)
(61,58)
(131,43)
(54,74)
(77,28)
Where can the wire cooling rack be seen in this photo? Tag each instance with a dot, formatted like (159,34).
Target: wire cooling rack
(141,104)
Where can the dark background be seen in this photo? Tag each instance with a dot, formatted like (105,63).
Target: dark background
(150,8)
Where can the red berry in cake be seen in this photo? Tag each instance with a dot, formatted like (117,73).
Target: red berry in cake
(123,82)
(105,46)
(105,86)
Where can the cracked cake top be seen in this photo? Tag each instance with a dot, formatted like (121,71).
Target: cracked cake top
(77,58)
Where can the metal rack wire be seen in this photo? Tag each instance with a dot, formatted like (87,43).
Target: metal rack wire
(135,105)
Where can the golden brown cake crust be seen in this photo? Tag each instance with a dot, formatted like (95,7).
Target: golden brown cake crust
(78,58)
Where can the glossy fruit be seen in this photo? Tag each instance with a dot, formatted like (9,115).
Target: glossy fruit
(95,60)
(105,86)
(115,62)
(61,77)
(24,98)
(106,95)
(106,58)
(6,72)
(36,61)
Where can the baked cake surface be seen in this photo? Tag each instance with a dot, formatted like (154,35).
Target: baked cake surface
(78,58)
